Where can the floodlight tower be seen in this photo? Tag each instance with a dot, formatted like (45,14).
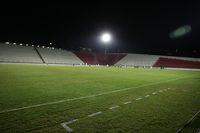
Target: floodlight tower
(106,39)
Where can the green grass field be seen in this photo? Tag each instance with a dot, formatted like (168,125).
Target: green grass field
(37,99)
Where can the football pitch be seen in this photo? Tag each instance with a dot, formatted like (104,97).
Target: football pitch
(60,99)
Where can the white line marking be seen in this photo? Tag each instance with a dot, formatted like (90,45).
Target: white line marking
(127,102)
(89,96)
(169,88)
(95,114)
(114,107)
(160,91)
(65,125)
(188,122)
(165,89)
(154,93)
(138,98)
(147,96)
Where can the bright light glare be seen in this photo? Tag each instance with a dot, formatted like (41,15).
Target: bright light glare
(106,37)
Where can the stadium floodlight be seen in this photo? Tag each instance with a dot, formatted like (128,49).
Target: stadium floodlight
(106,38)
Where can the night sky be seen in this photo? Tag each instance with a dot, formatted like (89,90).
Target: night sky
(137,27)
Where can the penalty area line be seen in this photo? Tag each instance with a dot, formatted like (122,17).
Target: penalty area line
(65,125)
(89,96)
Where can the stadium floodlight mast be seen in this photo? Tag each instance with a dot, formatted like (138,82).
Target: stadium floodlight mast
(106,39)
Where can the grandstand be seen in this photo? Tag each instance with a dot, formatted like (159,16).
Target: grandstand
(98,58)
(18,54)
(10,53)
(144,60)
(138,60)
(58,56)
(176,63)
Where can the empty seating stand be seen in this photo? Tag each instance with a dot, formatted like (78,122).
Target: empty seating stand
(57,56)
(138,60)
(99,58)
(176,63)
(10,53)
(18,54)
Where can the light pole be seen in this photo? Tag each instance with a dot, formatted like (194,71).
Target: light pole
(106,39)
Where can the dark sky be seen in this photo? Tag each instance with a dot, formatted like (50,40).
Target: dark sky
(137,27)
